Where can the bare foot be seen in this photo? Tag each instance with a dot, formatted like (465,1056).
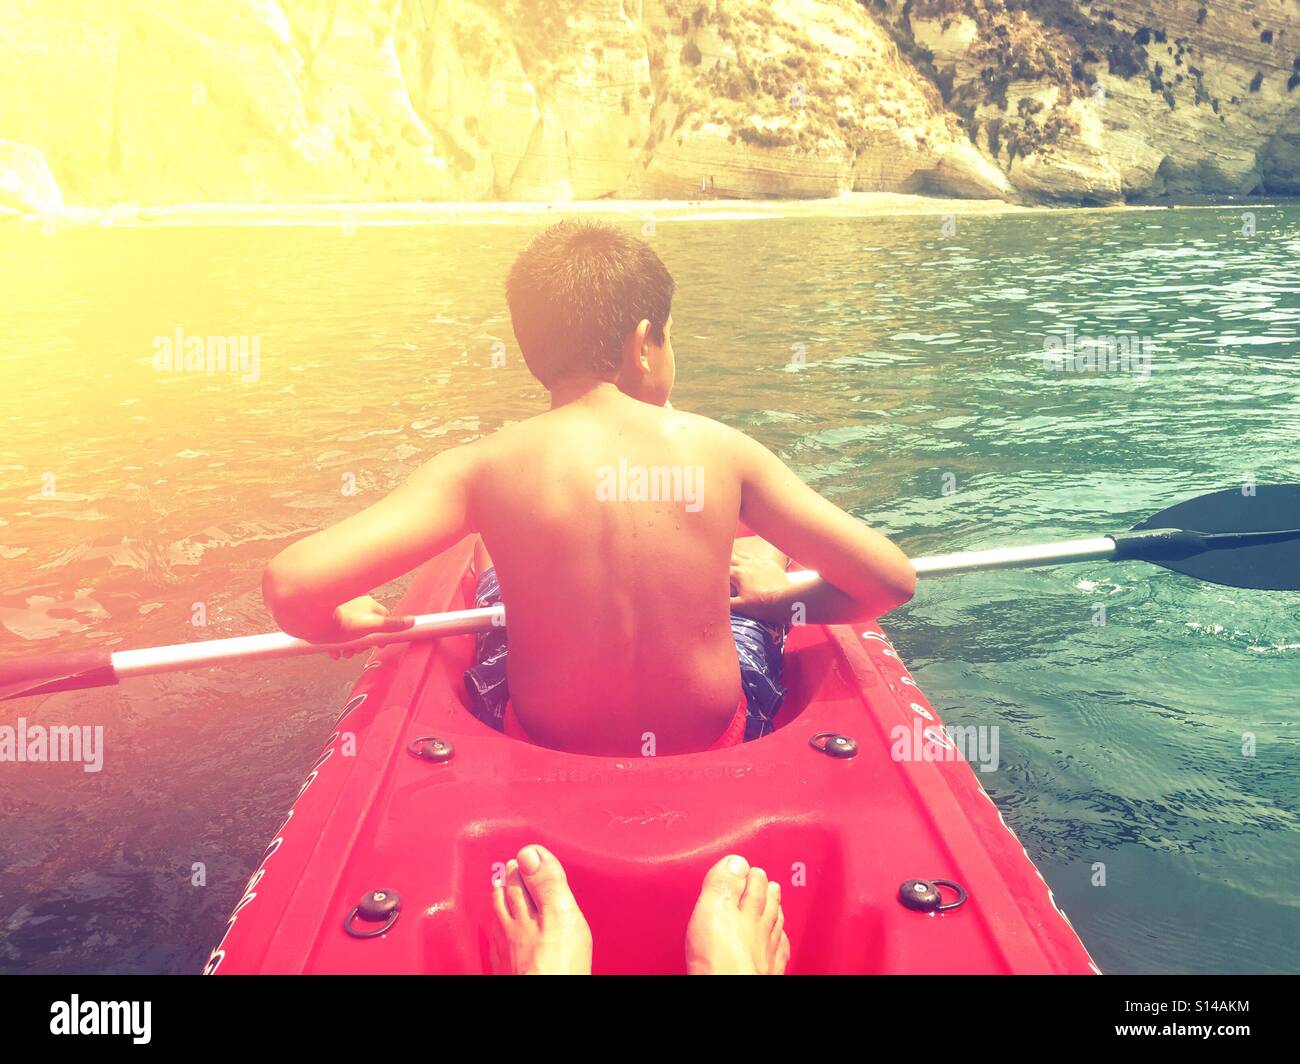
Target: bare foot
(540,929)
(737,927)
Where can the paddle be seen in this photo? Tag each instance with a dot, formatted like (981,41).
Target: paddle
(1250,541)
(1225,537)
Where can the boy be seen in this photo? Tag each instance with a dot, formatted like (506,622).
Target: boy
(610,519)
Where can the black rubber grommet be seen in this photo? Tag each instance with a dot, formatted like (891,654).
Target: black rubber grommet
(378,907)
(431,748)
(834,745)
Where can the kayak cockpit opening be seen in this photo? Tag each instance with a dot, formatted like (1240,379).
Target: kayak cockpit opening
(806,668)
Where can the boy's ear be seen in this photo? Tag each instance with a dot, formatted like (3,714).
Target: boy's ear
(634,353)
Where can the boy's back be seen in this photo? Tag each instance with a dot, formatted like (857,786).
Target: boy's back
(611,523)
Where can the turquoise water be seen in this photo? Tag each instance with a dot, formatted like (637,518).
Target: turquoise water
(899,370)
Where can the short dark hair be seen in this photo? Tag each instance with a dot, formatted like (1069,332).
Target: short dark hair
(575,293)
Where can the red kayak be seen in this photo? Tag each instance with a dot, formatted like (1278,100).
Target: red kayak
(385,862)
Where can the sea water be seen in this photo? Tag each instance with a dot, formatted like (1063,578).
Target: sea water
(914,372)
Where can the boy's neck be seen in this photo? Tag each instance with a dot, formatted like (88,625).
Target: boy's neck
(583,390)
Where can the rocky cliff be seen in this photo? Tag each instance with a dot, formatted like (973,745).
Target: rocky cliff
(1119,98)
(175,101)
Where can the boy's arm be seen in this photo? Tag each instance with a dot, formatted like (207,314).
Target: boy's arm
(862,574)
(308,585)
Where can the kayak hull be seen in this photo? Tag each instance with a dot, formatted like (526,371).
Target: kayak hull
(636,834)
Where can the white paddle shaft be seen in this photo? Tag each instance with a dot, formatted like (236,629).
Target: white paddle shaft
(174,658)
(1098,548)
(151,660)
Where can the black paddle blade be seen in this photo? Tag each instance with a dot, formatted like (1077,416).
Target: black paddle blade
(56,672)
(1265,562)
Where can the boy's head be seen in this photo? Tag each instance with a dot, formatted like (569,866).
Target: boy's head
(587,300)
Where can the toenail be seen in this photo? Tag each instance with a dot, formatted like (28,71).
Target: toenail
(737,866)
(530,859)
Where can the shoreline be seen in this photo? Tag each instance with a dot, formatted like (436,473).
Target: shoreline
(349,215)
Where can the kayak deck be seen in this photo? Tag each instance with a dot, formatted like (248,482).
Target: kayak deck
(637,834)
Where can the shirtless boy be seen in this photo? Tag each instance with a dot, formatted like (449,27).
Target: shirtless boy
(618,599)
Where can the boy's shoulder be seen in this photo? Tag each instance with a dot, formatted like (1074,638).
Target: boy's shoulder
(696,421)
(717,432)
(534,433)
(703,430)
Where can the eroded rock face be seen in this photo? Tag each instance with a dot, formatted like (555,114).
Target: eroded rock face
(1094,102)
(169,101)
(796,98)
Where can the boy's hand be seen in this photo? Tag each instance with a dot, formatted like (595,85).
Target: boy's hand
(758,578)
(360,617)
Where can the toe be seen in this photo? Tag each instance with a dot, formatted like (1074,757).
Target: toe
(778,928)
(755,896)
(547,884)
(725,881)
(517,900)
(774,939)
(782,956)
(499,906)
(771,907)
